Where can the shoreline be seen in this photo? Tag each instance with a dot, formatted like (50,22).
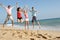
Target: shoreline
(49,28)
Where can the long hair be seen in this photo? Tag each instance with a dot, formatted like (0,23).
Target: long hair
(18,8)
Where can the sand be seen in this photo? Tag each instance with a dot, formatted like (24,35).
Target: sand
(9,33)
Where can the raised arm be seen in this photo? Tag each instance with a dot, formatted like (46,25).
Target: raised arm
(38,11)
(30,10)
(26,7)
(2,5)
(16,5)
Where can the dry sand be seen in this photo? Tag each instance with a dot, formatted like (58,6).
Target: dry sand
(18,34)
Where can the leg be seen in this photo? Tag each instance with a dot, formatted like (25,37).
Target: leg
(11,18)
(5,21)
(28,24)
(18,20)
(33,18)
(33,24)
(21,20)
(12,23)
(25,25)
(37,23)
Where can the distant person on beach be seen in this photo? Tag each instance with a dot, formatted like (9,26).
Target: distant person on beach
(9,14)
(19,14)
(25,10)
(34,12)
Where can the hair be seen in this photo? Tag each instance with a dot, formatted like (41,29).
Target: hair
(9,6)
(18,8)
(32,7)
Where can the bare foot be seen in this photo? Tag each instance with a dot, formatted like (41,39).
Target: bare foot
(25,28)
(33,27)
(3,25)
(28,28)
(39,27)
(12,26)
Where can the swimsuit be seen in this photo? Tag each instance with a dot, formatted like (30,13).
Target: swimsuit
(26,16)
(19,16)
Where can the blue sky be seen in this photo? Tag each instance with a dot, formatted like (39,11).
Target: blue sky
(48,8)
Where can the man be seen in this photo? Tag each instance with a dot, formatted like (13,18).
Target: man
(9,14)
(34,17)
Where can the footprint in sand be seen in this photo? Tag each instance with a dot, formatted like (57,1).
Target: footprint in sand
(48,35)
(58,37)
(45,34)
(13,34)
(25,32)
(49,39)
(31,38)
(20,36)
(37,36)
(31,34)
(18,32)
(4,33)
(42,36)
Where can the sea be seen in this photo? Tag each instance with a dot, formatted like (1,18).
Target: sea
(45,24)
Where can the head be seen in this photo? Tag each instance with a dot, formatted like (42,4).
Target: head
(18,8)
(32,8)
(9,6)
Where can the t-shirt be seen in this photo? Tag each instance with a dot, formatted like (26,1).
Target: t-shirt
(9,11)
(33,13)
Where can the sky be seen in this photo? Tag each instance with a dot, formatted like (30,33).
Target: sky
(48,8)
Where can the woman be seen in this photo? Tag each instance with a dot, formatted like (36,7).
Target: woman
(19,14)
(25,10)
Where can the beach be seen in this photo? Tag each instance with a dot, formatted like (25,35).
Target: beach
(9,33)
(30,20)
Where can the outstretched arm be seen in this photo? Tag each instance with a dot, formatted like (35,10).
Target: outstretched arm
(38,11)
(26,8)
(2,5)
(15,5)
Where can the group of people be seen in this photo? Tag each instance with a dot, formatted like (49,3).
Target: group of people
(19,15)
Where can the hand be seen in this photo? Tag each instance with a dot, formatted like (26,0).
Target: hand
(16,3)
(38,11)
(0,4)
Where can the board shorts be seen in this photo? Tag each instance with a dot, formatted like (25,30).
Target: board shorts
(34,19)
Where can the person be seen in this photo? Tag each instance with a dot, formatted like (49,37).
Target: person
(19,14)
(34,17)
(25,10)
(9,14)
